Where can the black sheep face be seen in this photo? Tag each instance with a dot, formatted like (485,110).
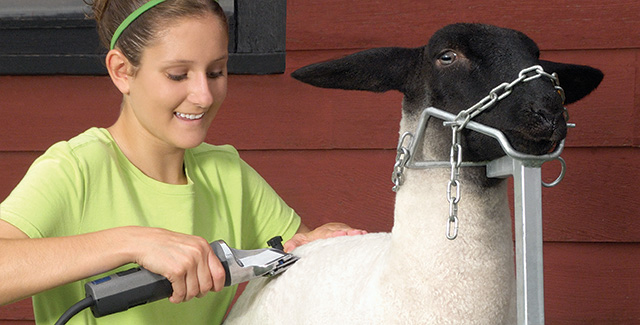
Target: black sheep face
(461,64)
(466,61)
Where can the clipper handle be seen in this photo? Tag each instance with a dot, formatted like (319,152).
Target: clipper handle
(123,290)
(137,286)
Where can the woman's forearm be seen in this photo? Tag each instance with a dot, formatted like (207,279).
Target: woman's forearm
(30,266)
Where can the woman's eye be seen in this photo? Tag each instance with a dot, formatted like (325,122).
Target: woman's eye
(447,57)
(215,74)
(177,77)
(180,77)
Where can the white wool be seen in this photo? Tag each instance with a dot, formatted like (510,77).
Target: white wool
(412,276)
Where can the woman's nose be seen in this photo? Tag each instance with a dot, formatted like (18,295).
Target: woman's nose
(200,92)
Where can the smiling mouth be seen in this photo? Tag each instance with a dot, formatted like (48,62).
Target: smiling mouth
(190,117)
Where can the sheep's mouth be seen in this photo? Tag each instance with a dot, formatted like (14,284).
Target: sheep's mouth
(540,136)
(536,143)
(537,137)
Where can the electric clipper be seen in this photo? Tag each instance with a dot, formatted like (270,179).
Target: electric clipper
(137,286)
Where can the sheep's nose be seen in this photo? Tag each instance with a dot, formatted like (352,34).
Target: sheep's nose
(549,106)
(559,128)
(551,125)
(548,118)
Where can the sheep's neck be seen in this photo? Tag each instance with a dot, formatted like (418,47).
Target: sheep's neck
(422,209)
(480,260)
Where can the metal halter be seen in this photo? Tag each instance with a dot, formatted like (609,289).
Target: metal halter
(407,144)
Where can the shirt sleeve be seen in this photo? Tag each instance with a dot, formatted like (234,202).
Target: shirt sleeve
(47,201)
(268,214)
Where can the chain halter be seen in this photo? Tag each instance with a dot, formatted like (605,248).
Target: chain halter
(457,124)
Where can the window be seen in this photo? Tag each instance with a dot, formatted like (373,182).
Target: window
(54,37)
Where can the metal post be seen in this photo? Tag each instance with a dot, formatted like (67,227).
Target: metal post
(527,183)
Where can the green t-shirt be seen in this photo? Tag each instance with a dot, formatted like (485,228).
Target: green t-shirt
(86,184)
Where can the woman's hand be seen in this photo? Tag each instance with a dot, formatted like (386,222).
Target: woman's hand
(332,229)
(187,261)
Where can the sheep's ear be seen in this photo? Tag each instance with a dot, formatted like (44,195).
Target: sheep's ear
(576,80)
(378,70)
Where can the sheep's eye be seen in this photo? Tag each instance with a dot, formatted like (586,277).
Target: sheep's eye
(447,57)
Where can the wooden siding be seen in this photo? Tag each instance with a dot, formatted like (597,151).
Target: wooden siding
(330,153)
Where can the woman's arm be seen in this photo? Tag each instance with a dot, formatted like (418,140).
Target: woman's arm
(29,266)
(333,229)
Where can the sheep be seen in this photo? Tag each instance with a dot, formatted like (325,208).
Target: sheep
(415,275)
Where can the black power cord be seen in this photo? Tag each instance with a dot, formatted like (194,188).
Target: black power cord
(73,310)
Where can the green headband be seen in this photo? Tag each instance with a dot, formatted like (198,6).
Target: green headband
(133,16)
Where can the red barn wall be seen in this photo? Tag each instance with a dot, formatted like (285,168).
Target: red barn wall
(330,153)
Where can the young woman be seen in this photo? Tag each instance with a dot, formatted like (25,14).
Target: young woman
(146,190)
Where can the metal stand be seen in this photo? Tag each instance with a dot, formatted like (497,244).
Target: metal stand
(527,190)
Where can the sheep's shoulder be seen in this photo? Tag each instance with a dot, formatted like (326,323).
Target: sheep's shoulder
(325,266)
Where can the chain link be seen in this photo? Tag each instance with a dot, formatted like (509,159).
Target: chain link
(402,157)
(455,159)
(503,90)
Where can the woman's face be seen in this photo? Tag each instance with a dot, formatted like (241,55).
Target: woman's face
(180,83)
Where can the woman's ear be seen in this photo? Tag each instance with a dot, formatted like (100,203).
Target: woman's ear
(119,67)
